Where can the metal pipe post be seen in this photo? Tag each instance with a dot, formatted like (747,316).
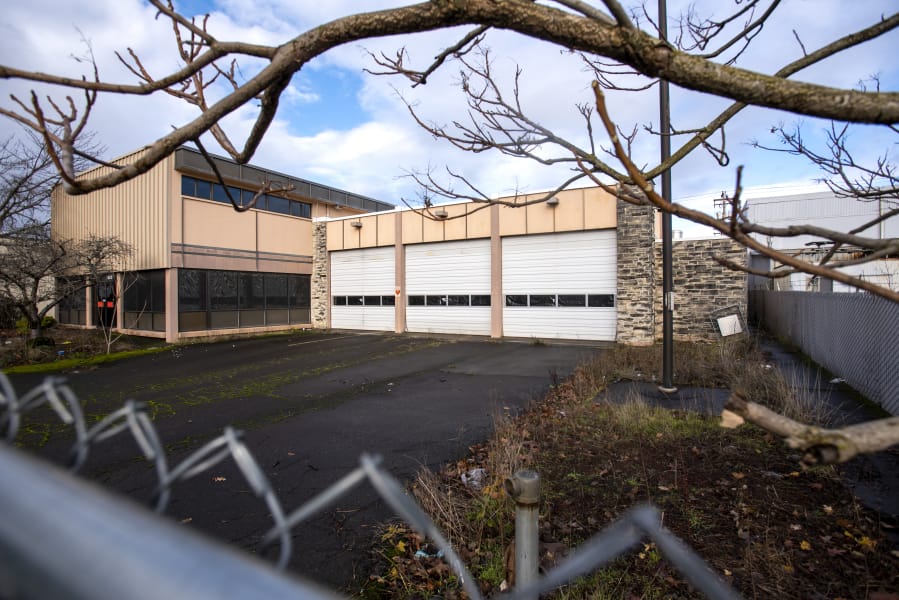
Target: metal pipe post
(524,487)
(667,254)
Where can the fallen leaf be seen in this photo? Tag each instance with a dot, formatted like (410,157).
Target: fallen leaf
(219,479)
(187,519)
(738,475)
(805,545)
(795,527)
(827,509)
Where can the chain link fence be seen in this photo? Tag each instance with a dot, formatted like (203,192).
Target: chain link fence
(61,536)
(851,335)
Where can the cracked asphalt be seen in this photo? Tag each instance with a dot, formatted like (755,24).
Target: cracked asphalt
(309,405)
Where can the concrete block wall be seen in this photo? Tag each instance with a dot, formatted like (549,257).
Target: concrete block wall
(701,286)
(636,274)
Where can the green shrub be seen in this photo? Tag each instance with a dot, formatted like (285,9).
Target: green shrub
(22,324)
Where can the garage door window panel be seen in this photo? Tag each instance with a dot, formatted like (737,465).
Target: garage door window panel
(516,300)
(457,300)
(572,300)
(601,300)
(542,300)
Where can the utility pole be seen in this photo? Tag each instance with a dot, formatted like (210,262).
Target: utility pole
(667,386)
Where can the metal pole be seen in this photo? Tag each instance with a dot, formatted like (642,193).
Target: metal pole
(524,487)
(667,259)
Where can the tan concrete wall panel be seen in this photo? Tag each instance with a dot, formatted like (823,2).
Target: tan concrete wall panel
(352,236)
(412,227)
(284,235)
(387,229)
(569,214)
(456,228)
(432,229)
(368,233)
(599,209)
(478,222)
(335,235)
(541,218)
(218,225)
(512,220)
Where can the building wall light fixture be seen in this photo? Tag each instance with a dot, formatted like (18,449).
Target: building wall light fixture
(356,224)
(554,201)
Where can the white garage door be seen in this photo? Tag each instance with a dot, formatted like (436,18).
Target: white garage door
(560,285)
(363,284)
(448,287)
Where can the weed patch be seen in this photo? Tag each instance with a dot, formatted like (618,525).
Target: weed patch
(737,497)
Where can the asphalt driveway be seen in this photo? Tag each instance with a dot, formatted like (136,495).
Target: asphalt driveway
(310,404)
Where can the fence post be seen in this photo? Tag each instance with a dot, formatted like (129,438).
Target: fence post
(524,487)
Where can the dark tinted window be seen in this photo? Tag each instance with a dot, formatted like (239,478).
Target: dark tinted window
(246,196)
(222,290)
(300,291)
(480,300)
(601,300)
(516,300)
(572,300)
(300,209)
(279,205)
(372,301)
(191,290)
(458,300)
(188,186)
(543,300)
(436,300)
(276,291)
(416,300)
(339,300)
(218,193)
(204,189)
(252,294)
(354,301)
(388,301)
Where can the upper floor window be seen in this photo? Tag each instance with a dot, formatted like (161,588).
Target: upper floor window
(198,188)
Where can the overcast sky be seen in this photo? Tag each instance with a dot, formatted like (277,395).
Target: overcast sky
(342,127)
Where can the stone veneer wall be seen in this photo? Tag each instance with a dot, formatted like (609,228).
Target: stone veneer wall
(701,286)
(319,284)
(636,274)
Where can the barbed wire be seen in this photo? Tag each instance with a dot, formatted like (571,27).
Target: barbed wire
(616,539)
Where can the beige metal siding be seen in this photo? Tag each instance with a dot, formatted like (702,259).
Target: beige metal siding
(134,211)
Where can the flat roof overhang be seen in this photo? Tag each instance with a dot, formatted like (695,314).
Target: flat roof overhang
(191,161)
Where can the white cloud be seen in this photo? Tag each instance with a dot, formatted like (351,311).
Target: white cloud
(371,154)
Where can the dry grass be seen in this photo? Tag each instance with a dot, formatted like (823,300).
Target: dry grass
(737,497)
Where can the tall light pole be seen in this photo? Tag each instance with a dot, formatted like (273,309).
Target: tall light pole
(667,268)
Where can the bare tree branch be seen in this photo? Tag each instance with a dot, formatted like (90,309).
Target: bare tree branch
(629,46)
(736,228)
(821,446)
